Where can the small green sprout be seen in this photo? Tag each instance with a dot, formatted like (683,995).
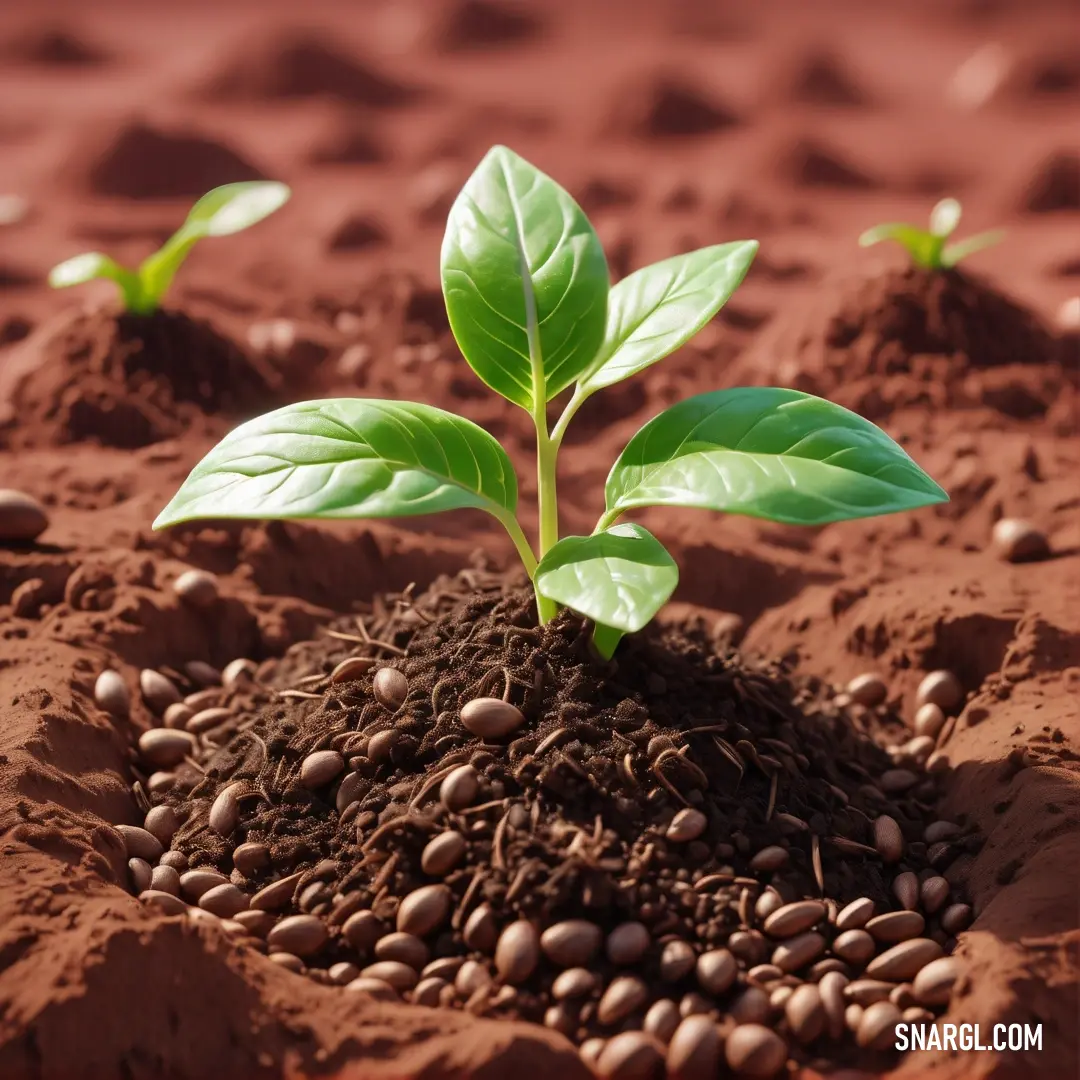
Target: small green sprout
(530,303)
(929,248)
(228,209)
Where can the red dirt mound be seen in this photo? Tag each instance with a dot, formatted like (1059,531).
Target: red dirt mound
(349,139)
(357,232)
(1054,186)
(54,46)
(813,164)
(483,24)
(662,105)
(820,78)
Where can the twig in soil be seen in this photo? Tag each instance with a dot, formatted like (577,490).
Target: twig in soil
(297,695)
(382,879)
(140,797)
(551,740)
(774,785)
(815,856)
(655,770)
(497,859)
(521,877)
(459,915)
(431,782)
(412,820)
(626,770)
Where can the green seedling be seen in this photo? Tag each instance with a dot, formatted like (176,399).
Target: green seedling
(530,303)
(929,248)
(228,209)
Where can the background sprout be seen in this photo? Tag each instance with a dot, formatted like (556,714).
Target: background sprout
(929,248)
(228,209)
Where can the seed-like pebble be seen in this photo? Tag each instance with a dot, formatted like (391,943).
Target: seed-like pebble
(750,1007)
(158,691)
(1019,541)
(381,745)
(165,879)
(428,992)
(257,923)
(472,977)
(897,781)
(693,1003)
(379,989)
(22,517)
(225,811)
(140,844)
(199,723)
(352,667)
(933,984)
(164,748)
(915,1015)
(343,973)
(904,961)
(287,961)
(798,951)
(625,995)
(792,919)
(141,874)
(805,1013)
(778,997)
(162,822)
(853,1017)
(749,946)
(627,943)
(517,952)
(320,768)
(301,935)
(762,974)
(164,902)
(905,888)
(178,714)
(888,839)
(362,930)
(902,997)
(716,970)
(224,901)
(251,857)
(442,854)
(573,983)
(631,1055)
(695,1049)
(938,831)
(869,689)
(854,946)
(770,859)
(895,926)
(940,688)
(662,1020)
(589,1051)
(391,688)
(206,675)
(481,930)
(686,825)
(877,1028)
(831,989)
(197,587)
(111,694)
(238,671)
(933,893)
(443,967)
(459,788)
(866,991)
(276,895)
(929,720)
(193,883)
(755,1050)
(677,961)
(856,914)
(491,718)
(768,902)
(956,917)
(405,948)
(424,909)
(571,943)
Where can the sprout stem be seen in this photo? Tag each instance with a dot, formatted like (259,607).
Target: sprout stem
(607,519)
(572,406)
(517,534)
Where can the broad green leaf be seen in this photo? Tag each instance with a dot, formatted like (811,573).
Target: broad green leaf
(923,247)
(768,453)
(94,266)
(657,309)
(346,458)
(525,280)
(953,253)
(945,217)
(619,578)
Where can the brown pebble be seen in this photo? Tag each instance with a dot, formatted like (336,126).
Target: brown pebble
(251,857)
(362,930)
(768,902)
(941,688)
(904,961)
(856,914)
(424,909)
(933,893)
(897,781)
(472,977)
(888,839)
(517,952)
(805,1013)
(695,1050)
(22,518)
(934,983)
(571,943)
(491,718)
(937,831)
(627,943)
(351,668)
(428,992)
(955,918)
(769,859)
(287,961)
(204,674)
(625,995)
(799,951)
(853,1017)
(381,745)
(178,714)
(343,973)
(895,926)
(716,970)
(162,823)
(111,694)
(277,895)
(257,923)
(140,844)
(868,690)
(761,974)
(755,1050)
(823,967)
(929,720)
(160,782)
(404,948)
(749,946)
(197,587)
(792,919)
(158,691)
(165,879)
(391,688)
(662,1020)
(481,930)
(141,874)
(225,811)
(902,997)
(193,883)
(199,723)
(164,902)
(677,960)
(238,671)
(693,1003)
(320,768)
(301,935)
(778,997)
(866,991)
(854,946)
(378,989)
(164,748)
(631,1055)
(877,1028)
(224,901)
(1016,540)
(590,1050)
(686,825)
(442,854)
(831,989)
(915,1015)
(459,788)
(905,888)
(443,967)
(573,983)
(750,1007)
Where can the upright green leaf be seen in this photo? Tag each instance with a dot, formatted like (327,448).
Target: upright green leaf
(619,578)
(955,253)
(657,309)
(93,266)
(525,280)
(923,247)
(344,458)
(769,453)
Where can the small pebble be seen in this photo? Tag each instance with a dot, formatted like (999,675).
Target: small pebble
(929,720)
(888,839)
(716,970)
(856,914)
(428,992)
(831,988)
(400,976)
(391,688)
(237,672)
(571,943)
(424,909)
(141,874)
(22,518)
(940,688)
(798,951)
(627,943)
(301,935)
(491,718)
(472,976)
(904,961)
(158,691)
(805,1013)
(662,1020)
(896,926)
(225,901)
(459,788)
(481,930)
(320,768)
(193,883)
(955,918)
(750,1007)
(111,694)
(199,723)
(405,948)
(792,919)
(905,888)
(933,893)
(199,588)
(868,690)
(770,859)
(164,748)
(755,1050)
(625,995)
(695,1050)
(686,825)
(165,879)
(933,984)
(517,952)
(1019,541)
(573,983)
(140,844)
(351,668)
(442,854)
(631,1055)
(866,991)
(370,987)
(877,1028)
(854,946)
(362,930)
(277,894)
(164,902)
(677,960)
(225,811)
(251,857)
(178,714)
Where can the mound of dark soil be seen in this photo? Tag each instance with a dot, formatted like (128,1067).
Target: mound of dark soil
(665,105)
(482,24)
(302,64)
(125,380)
(53,46)
(911,336)
(820,78)
(668,801)
(1055,185)
(144,162)
(813,164)
(348,140)
(1048,76)
(357,232)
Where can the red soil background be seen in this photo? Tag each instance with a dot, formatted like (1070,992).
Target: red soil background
(677,124)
